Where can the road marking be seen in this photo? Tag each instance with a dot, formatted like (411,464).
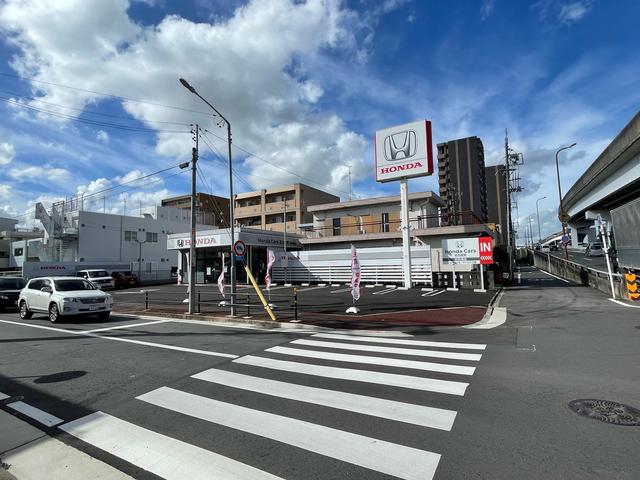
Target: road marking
(377,407)
(311,288)
(378,455)
(159,454)
(415,343)
(623,304)
(387,362)
(474,357)
(433,293)
(385,291)
(3,396)
(554,276)
(126,340)
(126,326)
(355,375)
(588,259)
(342,290)
(35,413)
(279,288)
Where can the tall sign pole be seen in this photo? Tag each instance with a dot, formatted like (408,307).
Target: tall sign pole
(403,152)
(406,233)
(192,247)
(507,175)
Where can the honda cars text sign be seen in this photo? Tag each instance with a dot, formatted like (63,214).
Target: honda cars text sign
(404,151)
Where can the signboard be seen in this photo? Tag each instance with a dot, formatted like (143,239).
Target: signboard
(239,248)
(201,241)
(403,151)
(470,251)
(565,239)
(486,250)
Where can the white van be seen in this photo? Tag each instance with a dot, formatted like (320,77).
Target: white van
(100,278)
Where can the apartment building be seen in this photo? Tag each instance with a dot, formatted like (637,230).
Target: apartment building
(461,176)
(497,201)
(278,208)
(210,209)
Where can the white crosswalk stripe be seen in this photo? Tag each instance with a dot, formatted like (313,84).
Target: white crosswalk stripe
(148,449)
(390,458)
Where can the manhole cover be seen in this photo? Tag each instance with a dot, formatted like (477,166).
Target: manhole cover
(607,411)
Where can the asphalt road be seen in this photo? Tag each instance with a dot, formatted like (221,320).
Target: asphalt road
(261,403)
(599,263)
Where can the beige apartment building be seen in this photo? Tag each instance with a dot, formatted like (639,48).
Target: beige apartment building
(266,209)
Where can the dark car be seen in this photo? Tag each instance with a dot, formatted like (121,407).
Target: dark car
(125,279)
(10,290)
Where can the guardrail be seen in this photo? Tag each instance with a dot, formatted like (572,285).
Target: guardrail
(575,272)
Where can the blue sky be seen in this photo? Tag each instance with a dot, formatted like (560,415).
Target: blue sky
(91,99)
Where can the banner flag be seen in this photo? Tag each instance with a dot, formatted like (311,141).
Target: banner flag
(355,274)
(271,259)
(221,278)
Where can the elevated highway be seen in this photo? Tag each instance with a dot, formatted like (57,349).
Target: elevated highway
(613,179)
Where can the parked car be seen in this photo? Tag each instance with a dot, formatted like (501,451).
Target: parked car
(594,249)
(100,277)
(125,279)
(10,291)
(61,297)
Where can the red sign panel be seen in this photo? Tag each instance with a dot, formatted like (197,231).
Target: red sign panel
(486,250)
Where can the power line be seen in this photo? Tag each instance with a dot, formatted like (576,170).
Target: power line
(251,154)
(103,94)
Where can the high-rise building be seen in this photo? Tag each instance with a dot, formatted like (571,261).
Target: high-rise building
(497,201)
(462,180)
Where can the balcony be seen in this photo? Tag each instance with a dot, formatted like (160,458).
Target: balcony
(292,227)
(278,207)
(250,210)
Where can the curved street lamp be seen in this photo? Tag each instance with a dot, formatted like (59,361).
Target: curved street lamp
(562,214)
(231,201)
(538,216)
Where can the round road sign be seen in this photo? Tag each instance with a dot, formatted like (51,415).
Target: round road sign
(565,239)
(239,248)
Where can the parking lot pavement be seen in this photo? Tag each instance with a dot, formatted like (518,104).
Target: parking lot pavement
(321,305)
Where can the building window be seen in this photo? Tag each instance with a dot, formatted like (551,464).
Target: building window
(336,226)
(152,237)
(385,222)
(130,236)
(291,217)
(17,252)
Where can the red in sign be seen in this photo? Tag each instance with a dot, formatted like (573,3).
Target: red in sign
(486,250)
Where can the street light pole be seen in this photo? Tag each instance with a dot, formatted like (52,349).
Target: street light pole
(562,212)
(286,259)
(538,217)
(193,308)
(231,200)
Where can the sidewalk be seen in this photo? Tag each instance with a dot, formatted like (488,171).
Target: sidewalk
(27,453)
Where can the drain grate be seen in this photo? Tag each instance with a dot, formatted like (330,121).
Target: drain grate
(607,411)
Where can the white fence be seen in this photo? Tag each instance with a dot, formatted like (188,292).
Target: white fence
(377,265)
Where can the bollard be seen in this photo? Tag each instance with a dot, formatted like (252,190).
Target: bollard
(295,304)
(146,299)
(198,305)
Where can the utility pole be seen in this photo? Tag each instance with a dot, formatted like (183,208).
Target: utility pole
(124,210)
(507,175)
(193,308)
(140,258)
(286,259)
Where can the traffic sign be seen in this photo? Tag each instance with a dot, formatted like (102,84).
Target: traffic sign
(239,248)
(565,239)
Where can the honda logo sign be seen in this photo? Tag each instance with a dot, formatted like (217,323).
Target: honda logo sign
(404,151)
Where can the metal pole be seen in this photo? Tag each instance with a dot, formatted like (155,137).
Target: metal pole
(406,234)
(562,213)
(231,221)
(192,246)
(538,216)
(605,246)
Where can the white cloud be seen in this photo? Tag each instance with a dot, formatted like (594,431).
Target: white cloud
(263,86)
(487,9)
(102,136)
(7,153)
(39,174)
(574,12)
(5,191)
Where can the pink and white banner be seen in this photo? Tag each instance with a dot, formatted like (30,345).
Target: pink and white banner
(221,278)
(355,274)
(271,259)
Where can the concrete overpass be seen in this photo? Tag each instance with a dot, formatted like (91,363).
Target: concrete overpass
(613,179)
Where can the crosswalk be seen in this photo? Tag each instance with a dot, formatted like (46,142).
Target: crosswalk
(287,395)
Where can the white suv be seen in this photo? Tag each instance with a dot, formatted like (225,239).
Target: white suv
(100,277)
(63,296)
